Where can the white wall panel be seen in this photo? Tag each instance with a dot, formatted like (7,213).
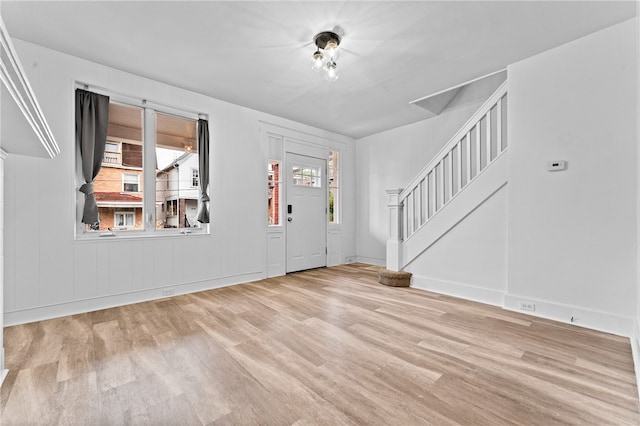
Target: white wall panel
(85,277)
(139,266)
(276,253)
(103,269)
(121,265)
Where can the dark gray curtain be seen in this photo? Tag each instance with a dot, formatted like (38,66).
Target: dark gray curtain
(92,119)
(203,172)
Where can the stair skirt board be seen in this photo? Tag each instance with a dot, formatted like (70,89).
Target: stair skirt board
(596,320)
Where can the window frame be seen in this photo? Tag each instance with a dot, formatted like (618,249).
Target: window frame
(147,178)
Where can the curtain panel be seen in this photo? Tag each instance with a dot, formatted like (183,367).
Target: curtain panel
(92,120)
(203,172)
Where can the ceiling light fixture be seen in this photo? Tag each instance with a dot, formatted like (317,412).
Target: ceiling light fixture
(326,54)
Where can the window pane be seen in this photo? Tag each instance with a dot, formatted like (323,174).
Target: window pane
(307,176)
(334,185)
(177,177)
(274,191)
(118,186)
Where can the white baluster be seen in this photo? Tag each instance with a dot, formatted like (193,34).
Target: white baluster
(450,175)
(459,165)
(468,157)
(499,127)
(488,141)
(478,144)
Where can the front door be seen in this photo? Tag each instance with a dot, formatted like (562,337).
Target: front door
(306,212)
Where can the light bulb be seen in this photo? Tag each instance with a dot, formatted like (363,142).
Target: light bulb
(331,50)
(317,60)
(331,72)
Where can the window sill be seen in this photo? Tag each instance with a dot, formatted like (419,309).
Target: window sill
(137,235)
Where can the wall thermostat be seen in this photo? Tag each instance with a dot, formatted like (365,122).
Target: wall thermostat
(556,165)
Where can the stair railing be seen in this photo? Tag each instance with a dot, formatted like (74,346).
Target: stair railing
(478,143)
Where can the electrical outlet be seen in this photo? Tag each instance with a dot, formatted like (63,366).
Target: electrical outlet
(168,291)
(527,306)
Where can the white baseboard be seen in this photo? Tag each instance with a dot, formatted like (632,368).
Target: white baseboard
(600,321)
(463,291)
(371,260)
(40,313)
(596,320)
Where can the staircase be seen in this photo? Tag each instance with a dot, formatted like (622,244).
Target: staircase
(467,171)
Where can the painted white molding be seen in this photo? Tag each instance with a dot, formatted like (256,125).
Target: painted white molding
(3,154)
(24,104)
(582,317)
(461,290)
(371,261)
(88,305)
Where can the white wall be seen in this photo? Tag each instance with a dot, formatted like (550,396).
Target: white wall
(572,234)
(48,273)
(391,159)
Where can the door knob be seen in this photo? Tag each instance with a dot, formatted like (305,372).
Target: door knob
(290,219)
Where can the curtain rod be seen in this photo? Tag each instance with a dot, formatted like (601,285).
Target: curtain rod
(120,97)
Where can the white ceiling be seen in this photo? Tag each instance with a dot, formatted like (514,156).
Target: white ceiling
(257,54)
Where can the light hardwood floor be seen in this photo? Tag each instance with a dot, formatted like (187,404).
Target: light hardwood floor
(327,346)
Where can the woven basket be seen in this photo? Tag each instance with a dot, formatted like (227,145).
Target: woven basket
(394,278)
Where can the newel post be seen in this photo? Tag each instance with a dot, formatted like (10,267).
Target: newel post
(394,248)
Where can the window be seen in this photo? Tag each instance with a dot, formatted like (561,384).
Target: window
(334,187)
(112,147)
(273,192)
(112,153)
(124,220)
(194,177)
(307,176)
(145,144)
(130,182)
